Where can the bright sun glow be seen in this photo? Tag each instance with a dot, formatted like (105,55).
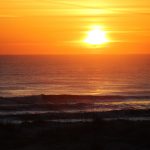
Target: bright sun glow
(96,36)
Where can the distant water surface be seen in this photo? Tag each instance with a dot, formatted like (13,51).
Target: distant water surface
(78,75)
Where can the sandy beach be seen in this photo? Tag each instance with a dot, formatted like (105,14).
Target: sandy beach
(35,123)
(99,134)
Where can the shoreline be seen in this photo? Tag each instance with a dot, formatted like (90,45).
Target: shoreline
(126,115)
(100,130)
(73,107)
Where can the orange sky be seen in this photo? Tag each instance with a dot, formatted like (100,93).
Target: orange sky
(60,26)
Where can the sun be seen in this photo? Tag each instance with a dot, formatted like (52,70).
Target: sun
(96,36)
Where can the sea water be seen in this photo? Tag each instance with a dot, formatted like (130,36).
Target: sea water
(78,75)
(101,82)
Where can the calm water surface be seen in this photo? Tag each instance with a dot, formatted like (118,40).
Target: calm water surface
(81,75)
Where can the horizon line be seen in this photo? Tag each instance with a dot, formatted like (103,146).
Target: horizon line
(71,54)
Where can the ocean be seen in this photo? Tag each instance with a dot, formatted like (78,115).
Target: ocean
(77,75)
(87,83)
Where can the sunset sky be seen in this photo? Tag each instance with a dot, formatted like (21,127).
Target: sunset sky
(61,26)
